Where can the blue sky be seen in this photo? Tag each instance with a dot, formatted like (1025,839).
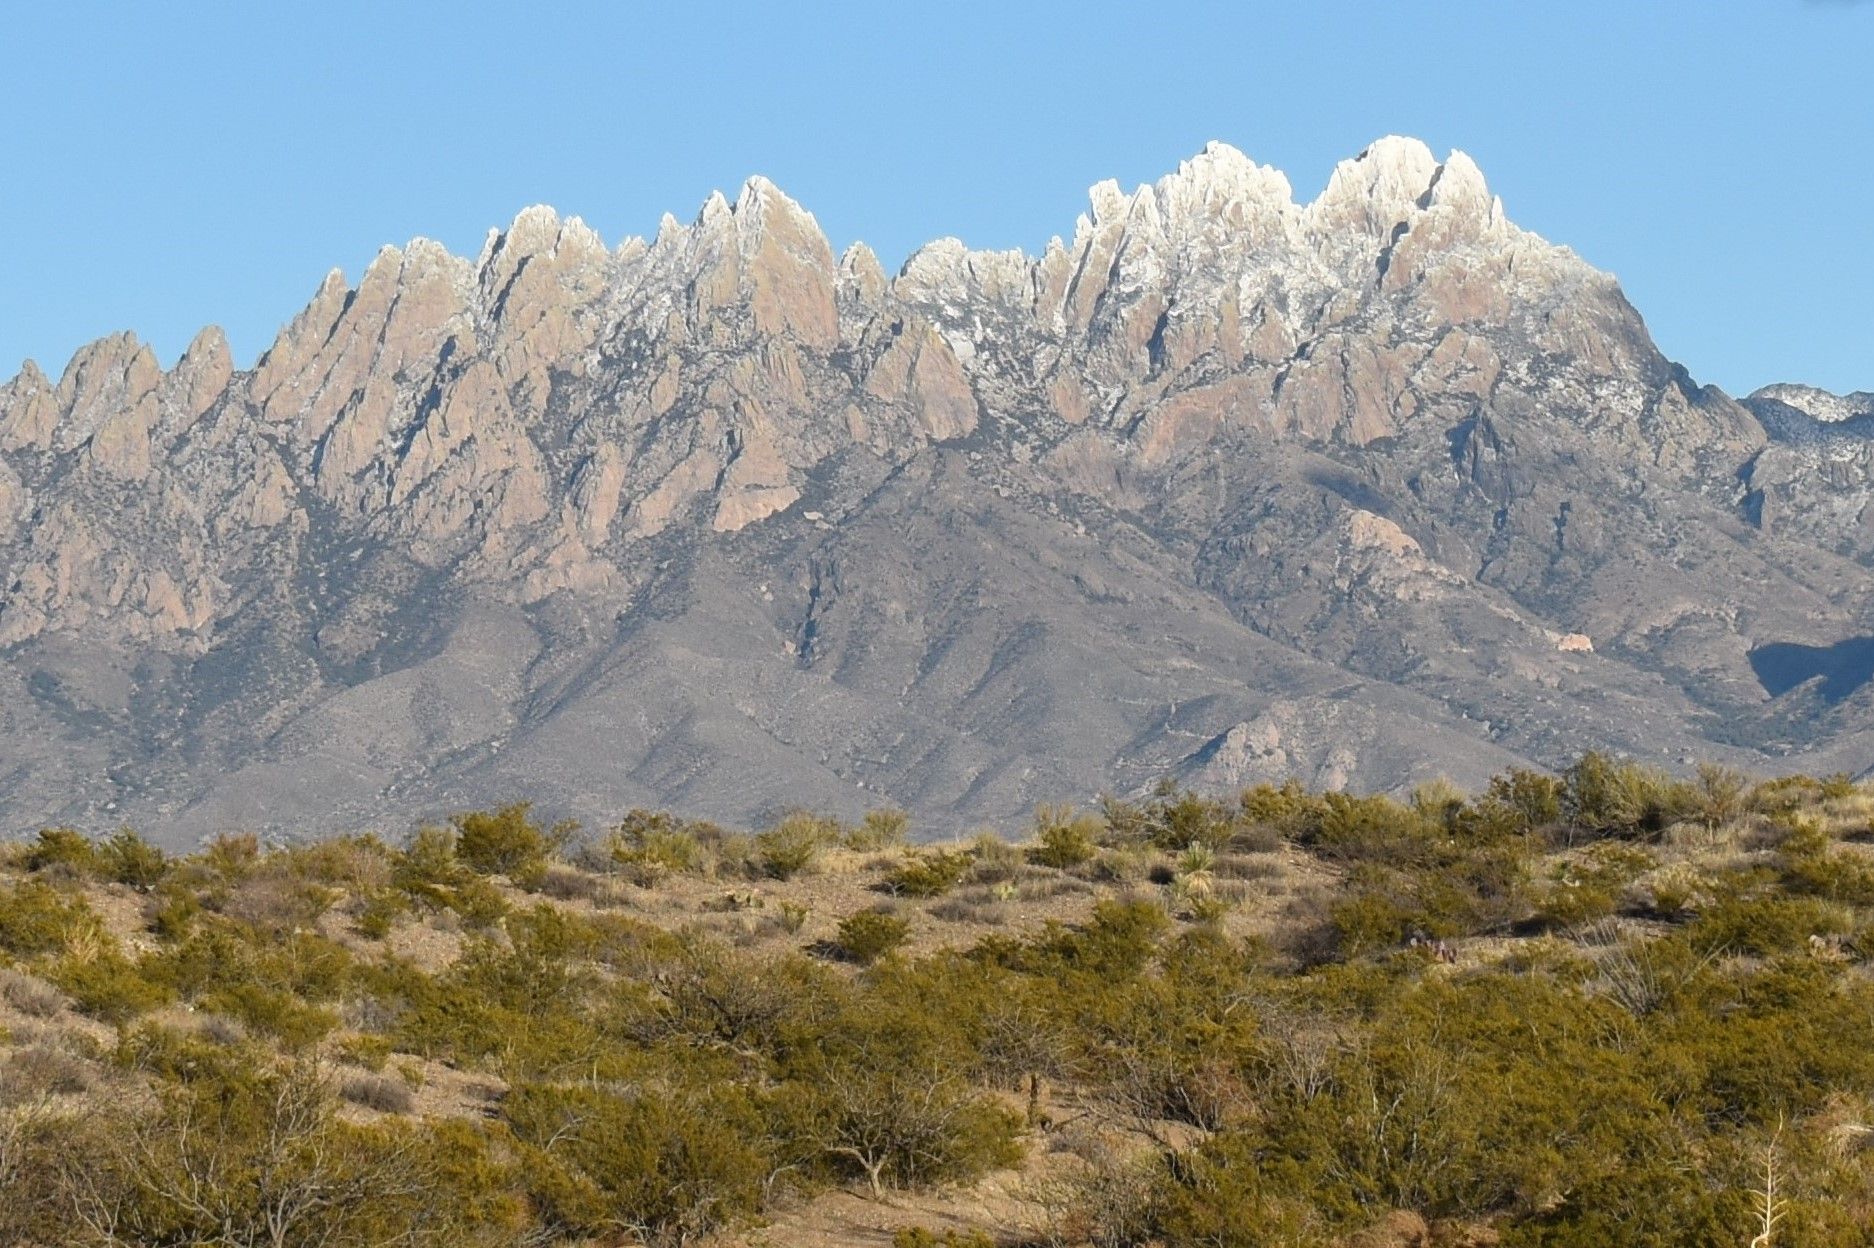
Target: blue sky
(168,166)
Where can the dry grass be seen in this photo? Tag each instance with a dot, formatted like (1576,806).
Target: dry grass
(377,1092)
(29,995)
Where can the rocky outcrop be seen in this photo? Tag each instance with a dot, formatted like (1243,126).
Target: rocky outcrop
(1385,437)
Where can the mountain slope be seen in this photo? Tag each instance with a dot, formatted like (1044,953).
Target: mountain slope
(1364,489)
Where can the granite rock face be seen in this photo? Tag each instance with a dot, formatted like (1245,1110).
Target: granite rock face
(1363,490)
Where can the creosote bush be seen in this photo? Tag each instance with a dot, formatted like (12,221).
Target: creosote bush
(792,845)
(1675,982)
(869,935)
(1064,838)
(929,874)
(507,842)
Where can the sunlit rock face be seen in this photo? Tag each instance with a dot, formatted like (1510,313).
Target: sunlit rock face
(1221,484)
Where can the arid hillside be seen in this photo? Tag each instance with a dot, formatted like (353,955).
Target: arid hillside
(1600,1010)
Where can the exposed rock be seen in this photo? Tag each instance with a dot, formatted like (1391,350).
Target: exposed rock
(1222,484)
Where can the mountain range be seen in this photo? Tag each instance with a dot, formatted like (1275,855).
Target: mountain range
(1223,487)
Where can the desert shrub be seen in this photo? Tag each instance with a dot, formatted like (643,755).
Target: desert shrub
(428,866)
(570,884)
(109,987)
(1524,800)
(921,1237)
(31,996)
(1569,901)
(649,845)
(276,903)
(1719,795)
(793,916)
(987,906)
(1608,796)
(1371,829)
(994,860)
(1211,1196)
(673,1167)
(386,1096)
(1248,867)
(791,846)
(1207,908)
(171,912)
(36,918)
(518,1001)
(1371,919)
(65,849)
(1125,820)
(38,1069)
(220,956)
(1451,894)
(507,841)
(294,1023)
(1117,942)
(927,875)
(1767,925)
(1811,866)
(359,864)
(1114,1200)
(129,859)
(231,856)
(1288,811)
(1125,864)
(376,912)
(880,829)
(369,1051)
(1064,838)
(1617,1086)
(907,1121)
(1181,820)
(1439,801)
(869,935)
(284,1168)
(430,873)
(1589,886)
(1654,1201)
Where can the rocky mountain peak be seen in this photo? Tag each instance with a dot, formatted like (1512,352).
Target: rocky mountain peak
(1348,473)
(1815,403)
(1376,191)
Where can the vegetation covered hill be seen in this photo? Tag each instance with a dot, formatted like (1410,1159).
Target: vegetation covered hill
(1610,1008)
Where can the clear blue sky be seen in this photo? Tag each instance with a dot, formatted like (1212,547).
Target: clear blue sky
(170,165)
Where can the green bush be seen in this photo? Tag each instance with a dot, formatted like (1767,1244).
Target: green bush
(1525,800)
(65,848)
(649,845)
(1186,819)
(35,918)
(1064,839)
(1608,796)
(676,1167)
(791,846)
(430,873)
(1818,870)
(286,1017)
(928,875)
(869,935)
(129,859)
(922,1237)
(880,829)
(506,841)
(109,987)
(1589,887)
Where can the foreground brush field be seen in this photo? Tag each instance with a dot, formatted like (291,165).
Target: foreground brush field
(1606,1008)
